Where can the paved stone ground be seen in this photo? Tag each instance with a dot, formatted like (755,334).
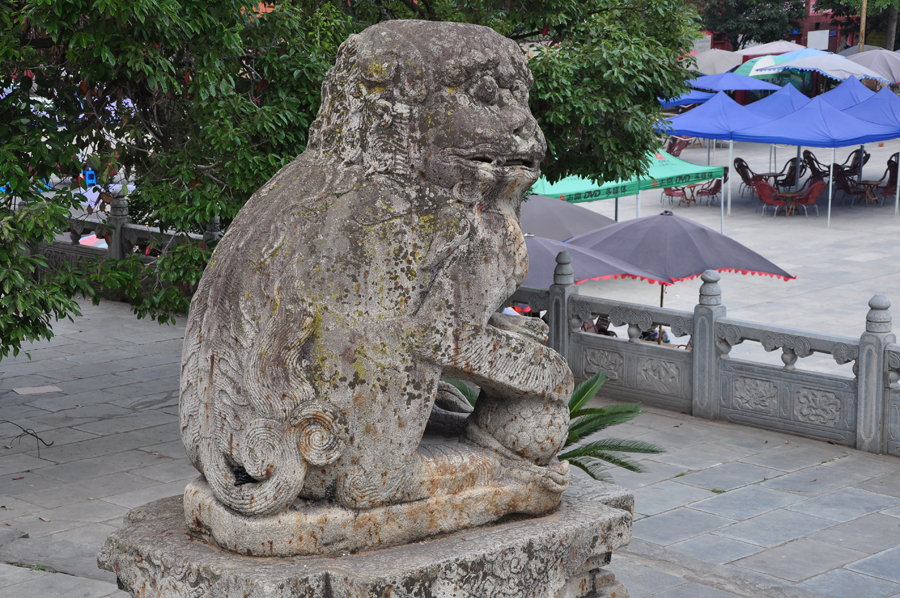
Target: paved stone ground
(727,511)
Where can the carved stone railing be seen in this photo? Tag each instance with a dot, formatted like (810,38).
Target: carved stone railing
(703,378)
(121,235)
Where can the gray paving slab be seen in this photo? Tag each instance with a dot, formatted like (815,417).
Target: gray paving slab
(884,565)
(678,525)
(643,581)
(665,496)
(729,476)
(885,484)
(864,465)
(746,502)
(59,584)
(701,456)
(776,527)
(870,534)
(841,583)
(694,590)
(800,560)
(789,457)
(715,549)
(813,481)
(845,504)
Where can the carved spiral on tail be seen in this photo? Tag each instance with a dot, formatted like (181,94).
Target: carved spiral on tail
(321,434)
(261,448)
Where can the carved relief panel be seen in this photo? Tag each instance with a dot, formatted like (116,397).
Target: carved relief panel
(753,394)
(611,362)
(659,376)
(817,407)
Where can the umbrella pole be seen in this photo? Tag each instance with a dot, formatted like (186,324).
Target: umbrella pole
(860,162)
(897,197)
(797,165)
(662,295)
(708,151)
(638,205)
(830,185)
(730,160)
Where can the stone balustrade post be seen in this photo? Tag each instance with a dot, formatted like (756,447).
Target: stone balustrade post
(562,288)
(705,399)
(872,378)
(212,232)
(118,217)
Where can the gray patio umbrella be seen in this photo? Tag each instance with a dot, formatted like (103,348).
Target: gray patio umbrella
(553,218)
(675,249)
(883,62)
(587,264)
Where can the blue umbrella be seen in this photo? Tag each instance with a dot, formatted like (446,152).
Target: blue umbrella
(731,82)
(819,124)
(689,97)
(781,103)
(849,93)
(883,108)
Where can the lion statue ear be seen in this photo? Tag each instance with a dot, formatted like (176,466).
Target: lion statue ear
(322,433)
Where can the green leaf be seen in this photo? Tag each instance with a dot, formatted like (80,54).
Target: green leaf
(465,389)
(586,391)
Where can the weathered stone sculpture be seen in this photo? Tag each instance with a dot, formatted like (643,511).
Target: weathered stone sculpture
(335,461)
(349,285)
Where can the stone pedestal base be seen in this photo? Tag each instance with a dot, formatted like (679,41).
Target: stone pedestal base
(559,555)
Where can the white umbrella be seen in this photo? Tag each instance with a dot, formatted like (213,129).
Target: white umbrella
(713,62)
(855,50)
(883,62)
(830,65)
(780,47)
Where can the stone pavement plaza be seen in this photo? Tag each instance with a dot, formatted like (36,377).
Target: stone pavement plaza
(727,511)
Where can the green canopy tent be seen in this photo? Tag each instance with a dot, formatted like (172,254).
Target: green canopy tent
(664,170)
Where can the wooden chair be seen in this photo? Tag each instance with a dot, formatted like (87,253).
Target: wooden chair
(769,197)
(710,191)
(848,186)
(788,175)
(743,170)
(889,189)
(816,168)
(851,165)
(672,193)
(676,145)
(809,198)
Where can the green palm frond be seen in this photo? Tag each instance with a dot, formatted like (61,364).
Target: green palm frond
(465,389)
(590,421)
(620,445)
(586,391)
(592,467)
(585,453)
(632,409)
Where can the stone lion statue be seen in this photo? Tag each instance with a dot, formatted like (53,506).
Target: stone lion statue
(365,271)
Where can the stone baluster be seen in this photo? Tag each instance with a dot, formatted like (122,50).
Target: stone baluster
(705,400)
(873,376)
(212,232)
(118,217)
(562,288)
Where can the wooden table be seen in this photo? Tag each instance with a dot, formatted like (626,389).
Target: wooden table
(870,187)
(690,191)
(792,195)
(768,175)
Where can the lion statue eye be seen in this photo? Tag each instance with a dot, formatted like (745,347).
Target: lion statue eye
(486,91)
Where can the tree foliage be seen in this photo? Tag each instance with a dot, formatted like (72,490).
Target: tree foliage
(197,104)
(746,21)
